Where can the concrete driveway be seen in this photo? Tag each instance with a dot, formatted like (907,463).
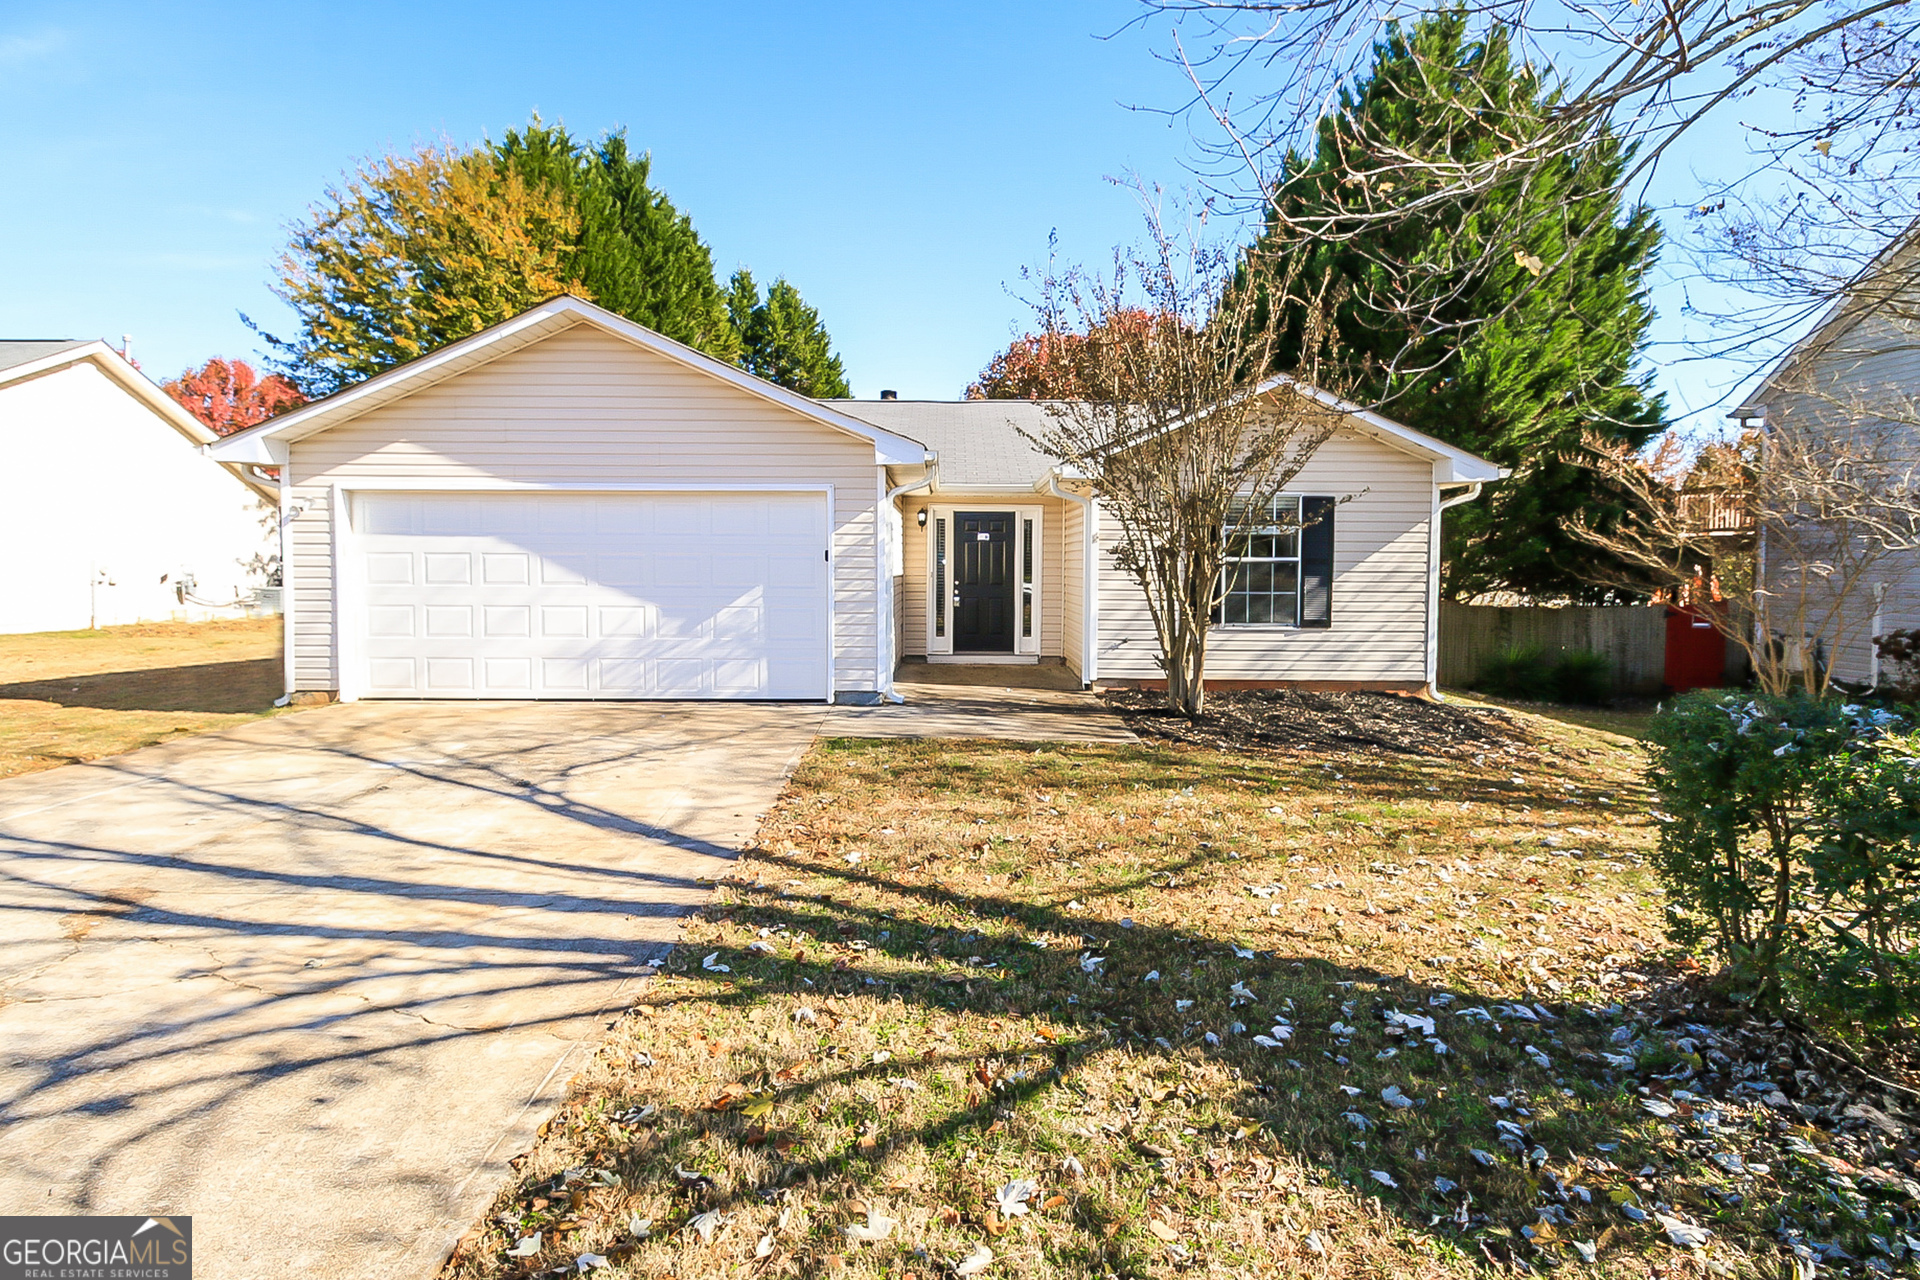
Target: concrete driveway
(313,981)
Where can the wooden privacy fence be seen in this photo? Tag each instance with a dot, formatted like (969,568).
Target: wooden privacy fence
(1633,638)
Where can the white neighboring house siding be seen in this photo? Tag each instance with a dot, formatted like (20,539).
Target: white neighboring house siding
(1380,599)
(96,480)
(585,407)
(1875,363)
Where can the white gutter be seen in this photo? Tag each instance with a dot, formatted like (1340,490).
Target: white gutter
(887,621)
(1433,581)
(1089,579)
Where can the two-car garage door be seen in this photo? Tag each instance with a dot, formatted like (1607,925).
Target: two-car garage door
(589,595)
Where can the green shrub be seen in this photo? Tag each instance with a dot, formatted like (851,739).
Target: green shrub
(1790,846)
(1583,678)
(1865,871)
(1521,672)
(1527,673)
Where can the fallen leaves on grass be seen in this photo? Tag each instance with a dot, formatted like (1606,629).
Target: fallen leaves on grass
(925,1047)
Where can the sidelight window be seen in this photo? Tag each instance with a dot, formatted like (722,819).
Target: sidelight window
(1026,578)
(940,576)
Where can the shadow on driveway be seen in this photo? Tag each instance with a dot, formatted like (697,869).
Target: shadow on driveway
(325,972)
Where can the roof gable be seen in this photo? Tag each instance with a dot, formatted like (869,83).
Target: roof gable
(1452,464)
(21,361)
(1894,261)
(269,442)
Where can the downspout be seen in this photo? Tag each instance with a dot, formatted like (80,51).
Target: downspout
(1873,640)
(1089,580)
(893,659)
(1471,492)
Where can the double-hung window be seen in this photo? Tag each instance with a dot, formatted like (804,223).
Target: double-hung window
(1278,570)
(1262,566)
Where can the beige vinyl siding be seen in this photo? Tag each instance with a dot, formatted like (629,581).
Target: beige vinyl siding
(1073,555)
(1379,630)
(1865,381)
(914,587)
(309,606)
(585,407)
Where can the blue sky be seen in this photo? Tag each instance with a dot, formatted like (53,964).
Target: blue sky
(900,163)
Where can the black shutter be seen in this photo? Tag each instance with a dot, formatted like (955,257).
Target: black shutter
(1316,562)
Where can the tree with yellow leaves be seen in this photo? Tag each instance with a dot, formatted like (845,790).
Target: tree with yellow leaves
(414,252)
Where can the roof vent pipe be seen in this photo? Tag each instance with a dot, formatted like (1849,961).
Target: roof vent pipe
(889,395)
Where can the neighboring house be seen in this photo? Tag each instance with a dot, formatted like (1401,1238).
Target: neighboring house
(109,512)
(568,505)
(1855,379)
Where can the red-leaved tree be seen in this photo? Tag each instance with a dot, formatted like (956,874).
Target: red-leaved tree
(229,396)
(1042,366)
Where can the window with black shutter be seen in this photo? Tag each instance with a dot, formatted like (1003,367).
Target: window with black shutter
(1279,565)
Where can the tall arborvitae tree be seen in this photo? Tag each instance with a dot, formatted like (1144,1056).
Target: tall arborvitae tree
(1556,361)
(637,254)
(783,340)
(414,252)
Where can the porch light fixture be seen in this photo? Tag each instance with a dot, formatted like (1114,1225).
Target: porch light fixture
(920,518)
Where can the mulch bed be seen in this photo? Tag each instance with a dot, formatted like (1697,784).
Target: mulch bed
(1287,719)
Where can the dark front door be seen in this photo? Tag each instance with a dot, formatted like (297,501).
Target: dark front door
(983,582)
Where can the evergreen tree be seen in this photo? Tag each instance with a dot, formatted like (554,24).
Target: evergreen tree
(1558,356)
(782,339)
(637,255)
(415,252)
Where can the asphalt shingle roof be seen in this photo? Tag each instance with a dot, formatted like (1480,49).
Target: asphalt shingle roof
(19,351)
(979,441)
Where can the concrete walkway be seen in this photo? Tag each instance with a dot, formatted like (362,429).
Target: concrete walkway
(314,980)
(1011,703)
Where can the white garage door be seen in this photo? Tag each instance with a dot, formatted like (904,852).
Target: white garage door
(496,595)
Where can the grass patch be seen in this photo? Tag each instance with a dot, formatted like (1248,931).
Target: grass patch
(1628,720)
(69,696)
(1092,1011)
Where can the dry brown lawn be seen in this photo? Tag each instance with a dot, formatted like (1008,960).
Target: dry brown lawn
(1045,1011)
(68,696)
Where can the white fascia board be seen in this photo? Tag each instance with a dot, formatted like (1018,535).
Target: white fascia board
(889,449)
(1065,471)
(987,490)
(1452,465)
(58,360)
(252,449)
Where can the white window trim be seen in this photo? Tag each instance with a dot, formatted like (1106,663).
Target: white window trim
(1298,574)
(1023,646)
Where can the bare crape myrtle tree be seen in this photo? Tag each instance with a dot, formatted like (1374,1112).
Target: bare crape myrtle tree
(1162,401)
(1822,517)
